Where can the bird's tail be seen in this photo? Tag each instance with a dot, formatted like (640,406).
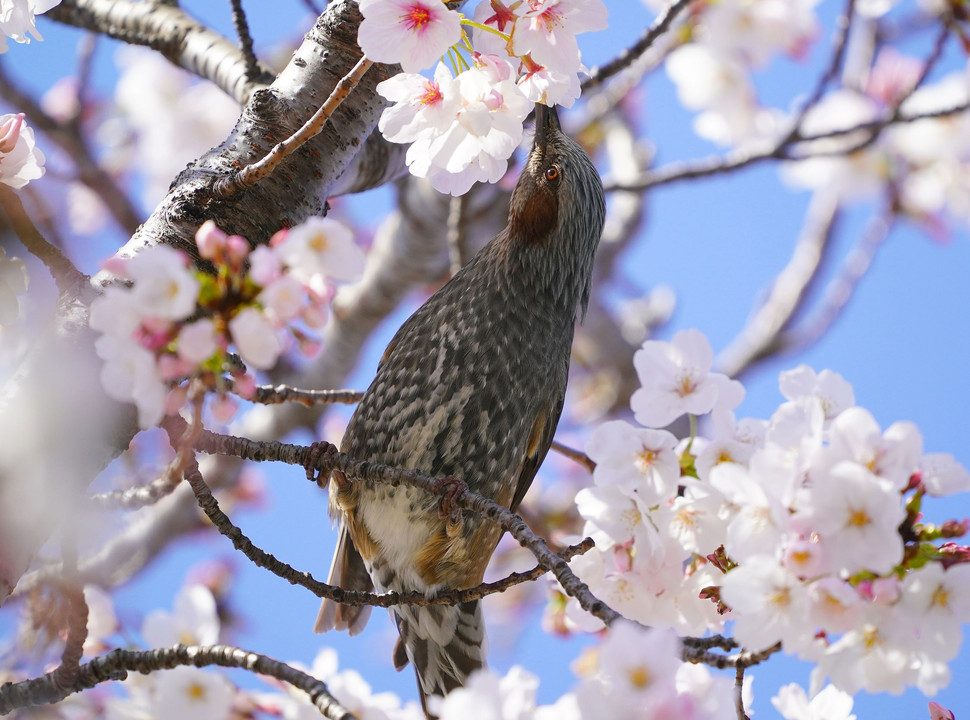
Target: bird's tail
(444,643)
(349,572)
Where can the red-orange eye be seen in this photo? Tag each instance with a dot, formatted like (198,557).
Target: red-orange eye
(552,173)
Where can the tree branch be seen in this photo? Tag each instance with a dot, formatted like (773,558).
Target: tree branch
(118,663)
(175,34)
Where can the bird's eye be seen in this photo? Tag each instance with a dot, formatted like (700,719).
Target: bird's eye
(552,173)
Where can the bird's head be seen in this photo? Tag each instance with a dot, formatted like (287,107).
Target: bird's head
(558,207)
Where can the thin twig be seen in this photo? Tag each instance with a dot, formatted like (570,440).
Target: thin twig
(251,174)
(759,152)
(329,460)
(660,24)
(739,692)
(65,675)
(841,43)
(277,394)
(68,278)
(267,561)
(245,40)
(118,663)
(577,455)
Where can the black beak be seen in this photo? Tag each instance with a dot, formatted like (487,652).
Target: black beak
(547,125)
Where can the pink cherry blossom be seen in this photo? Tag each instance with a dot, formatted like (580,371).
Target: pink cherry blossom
(20,159)
(421,107)
(546,30)
(413,33)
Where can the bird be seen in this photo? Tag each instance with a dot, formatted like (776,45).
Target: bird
(470,387)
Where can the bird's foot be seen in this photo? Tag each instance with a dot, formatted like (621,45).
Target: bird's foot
(449,489)
(316,451)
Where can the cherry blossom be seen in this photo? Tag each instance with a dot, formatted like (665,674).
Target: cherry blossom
(413,33)
(17,20)
(829,703)
(546,30)
(193,621)
(256,338)
(191,693)
(486,696)
(770,603)
(676,378)
(942,475)
(164,287)
(20,159)
(129,374)
(635,460)
(829,387)
(320,247)
(422,107)
(857,514)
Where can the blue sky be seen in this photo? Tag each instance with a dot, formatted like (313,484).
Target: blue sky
(902,342)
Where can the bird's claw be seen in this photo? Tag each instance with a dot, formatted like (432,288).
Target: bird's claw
(314,453)
(449,489)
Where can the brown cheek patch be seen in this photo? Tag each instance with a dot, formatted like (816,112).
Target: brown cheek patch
(536,217)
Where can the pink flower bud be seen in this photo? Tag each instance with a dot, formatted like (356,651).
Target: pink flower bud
(176,400)
(938,712)
(224,409)
(245,386)
(172,367)
(315,316)
(278,237)
(238,249)
(210,240)
(885,591)
(10,133)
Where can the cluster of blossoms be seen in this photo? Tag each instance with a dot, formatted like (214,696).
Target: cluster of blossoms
(926,163)
(173,323)
(633,669)
(17,20)
(804,528)
(464,126)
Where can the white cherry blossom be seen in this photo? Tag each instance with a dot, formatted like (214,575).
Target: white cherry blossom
(321,247)
(255,337)
(676,378)
(829,703)
(635,460)
(191,693)
(17,20)
(193,621)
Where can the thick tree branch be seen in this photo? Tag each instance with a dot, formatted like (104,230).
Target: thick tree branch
(175,34)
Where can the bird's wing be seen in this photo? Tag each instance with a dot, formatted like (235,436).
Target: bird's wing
(540,439)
